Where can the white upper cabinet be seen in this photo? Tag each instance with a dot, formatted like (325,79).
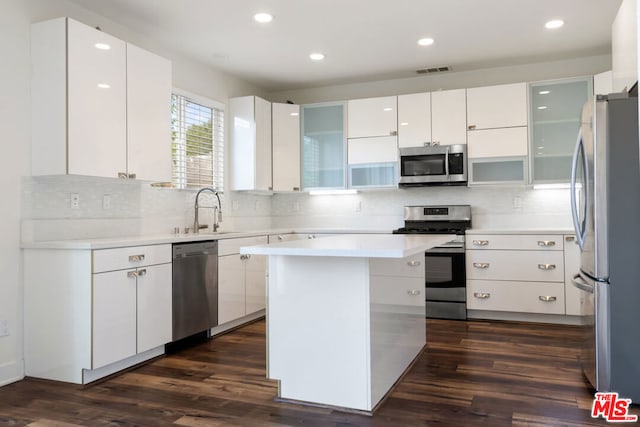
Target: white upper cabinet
(82,120)
(250,138)
(624,47)
(414,120)
(372,117)
(148,117)
(603,83)
(500,106)
(286,146)
(449,117)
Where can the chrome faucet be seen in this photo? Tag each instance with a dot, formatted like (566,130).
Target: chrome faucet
(217,219)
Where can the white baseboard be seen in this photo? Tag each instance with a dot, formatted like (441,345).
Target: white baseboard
(220,329)
(96,374)
(11,372)
(525,317)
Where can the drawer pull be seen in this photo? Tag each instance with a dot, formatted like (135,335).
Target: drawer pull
(136,258)
(280,237)
(482,295)
(570,238)
(132,274)
(547,298)
(480,242)
(243,257)
(546,243)
(311,236)
(413,292)
(547,266)
(481,264)
(142,272)
(413,263)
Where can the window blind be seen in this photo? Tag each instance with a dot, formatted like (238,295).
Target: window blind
(197,144)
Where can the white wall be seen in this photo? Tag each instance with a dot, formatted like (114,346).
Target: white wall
(450,80)
(14,116)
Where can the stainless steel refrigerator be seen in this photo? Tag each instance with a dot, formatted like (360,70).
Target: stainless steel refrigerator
(605,202)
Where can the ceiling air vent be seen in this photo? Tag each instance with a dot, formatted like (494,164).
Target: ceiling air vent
(432,70)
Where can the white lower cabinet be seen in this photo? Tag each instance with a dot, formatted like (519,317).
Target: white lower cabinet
(241,279)
(91,313)
(519,273)
(574,297)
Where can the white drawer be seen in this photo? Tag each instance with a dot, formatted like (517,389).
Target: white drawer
(534,266)
(232,246)
(538,242)
(412,266)
(131,257)
(524,297)
(397,291)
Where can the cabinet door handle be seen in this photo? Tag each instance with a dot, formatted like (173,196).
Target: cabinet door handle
(546,243)
(132,274)
(547,266)
(393,133)
(570,239)
(480,242)
(142,272)
(280,237)
(311,236)
(136,258)
(243,257)
(413,292)
(471,127)
(122,175)
(131,176)
(482,295)
(547,298)
(413,263)
(296,188)
(481,264)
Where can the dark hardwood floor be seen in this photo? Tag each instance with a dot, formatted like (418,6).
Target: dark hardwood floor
(475,373)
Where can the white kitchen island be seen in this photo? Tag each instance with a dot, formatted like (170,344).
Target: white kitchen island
(345,315)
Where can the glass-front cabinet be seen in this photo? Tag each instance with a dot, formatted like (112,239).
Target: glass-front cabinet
(323,146)
(554,115)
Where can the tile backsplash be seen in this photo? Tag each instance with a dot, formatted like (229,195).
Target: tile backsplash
(136,208)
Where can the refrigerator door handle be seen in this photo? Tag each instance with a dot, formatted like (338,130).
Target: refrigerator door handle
(581,228)
(580,284)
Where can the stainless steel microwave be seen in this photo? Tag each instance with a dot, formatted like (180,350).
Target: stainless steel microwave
(433,164)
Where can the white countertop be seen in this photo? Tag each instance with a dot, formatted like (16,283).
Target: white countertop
(520,231)
(158,239)
(354,245)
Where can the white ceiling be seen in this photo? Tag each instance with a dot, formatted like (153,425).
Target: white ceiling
(364,40)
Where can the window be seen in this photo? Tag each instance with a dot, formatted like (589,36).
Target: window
(197,135)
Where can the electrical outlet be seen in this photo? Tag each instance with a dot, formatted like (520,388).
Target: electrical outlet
(517,202)
(106,201)
(75,201)
(4,328)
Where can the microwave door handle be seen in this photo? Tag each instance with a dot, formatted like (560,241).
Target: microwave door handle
(446,162)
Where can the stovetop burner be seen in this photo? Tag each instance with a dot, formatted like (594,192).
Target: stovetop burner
(451,219)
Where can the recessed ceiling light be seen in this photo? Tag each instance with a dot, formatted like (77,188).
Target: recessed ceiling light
(104,85)
(102,46)
(263,17)
(542,107)
(317,56)
(426,41)
(544,92)
(556,23)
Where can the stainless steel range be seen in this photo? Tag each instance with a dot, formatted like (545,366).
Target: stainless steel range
(445,287)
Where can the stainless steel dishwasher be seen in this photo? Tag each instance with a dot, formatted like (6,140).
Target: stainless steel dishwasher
(195,288)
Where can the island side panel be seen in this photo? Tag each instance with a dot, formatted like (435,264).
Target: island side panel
(398,331)
(318,329)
